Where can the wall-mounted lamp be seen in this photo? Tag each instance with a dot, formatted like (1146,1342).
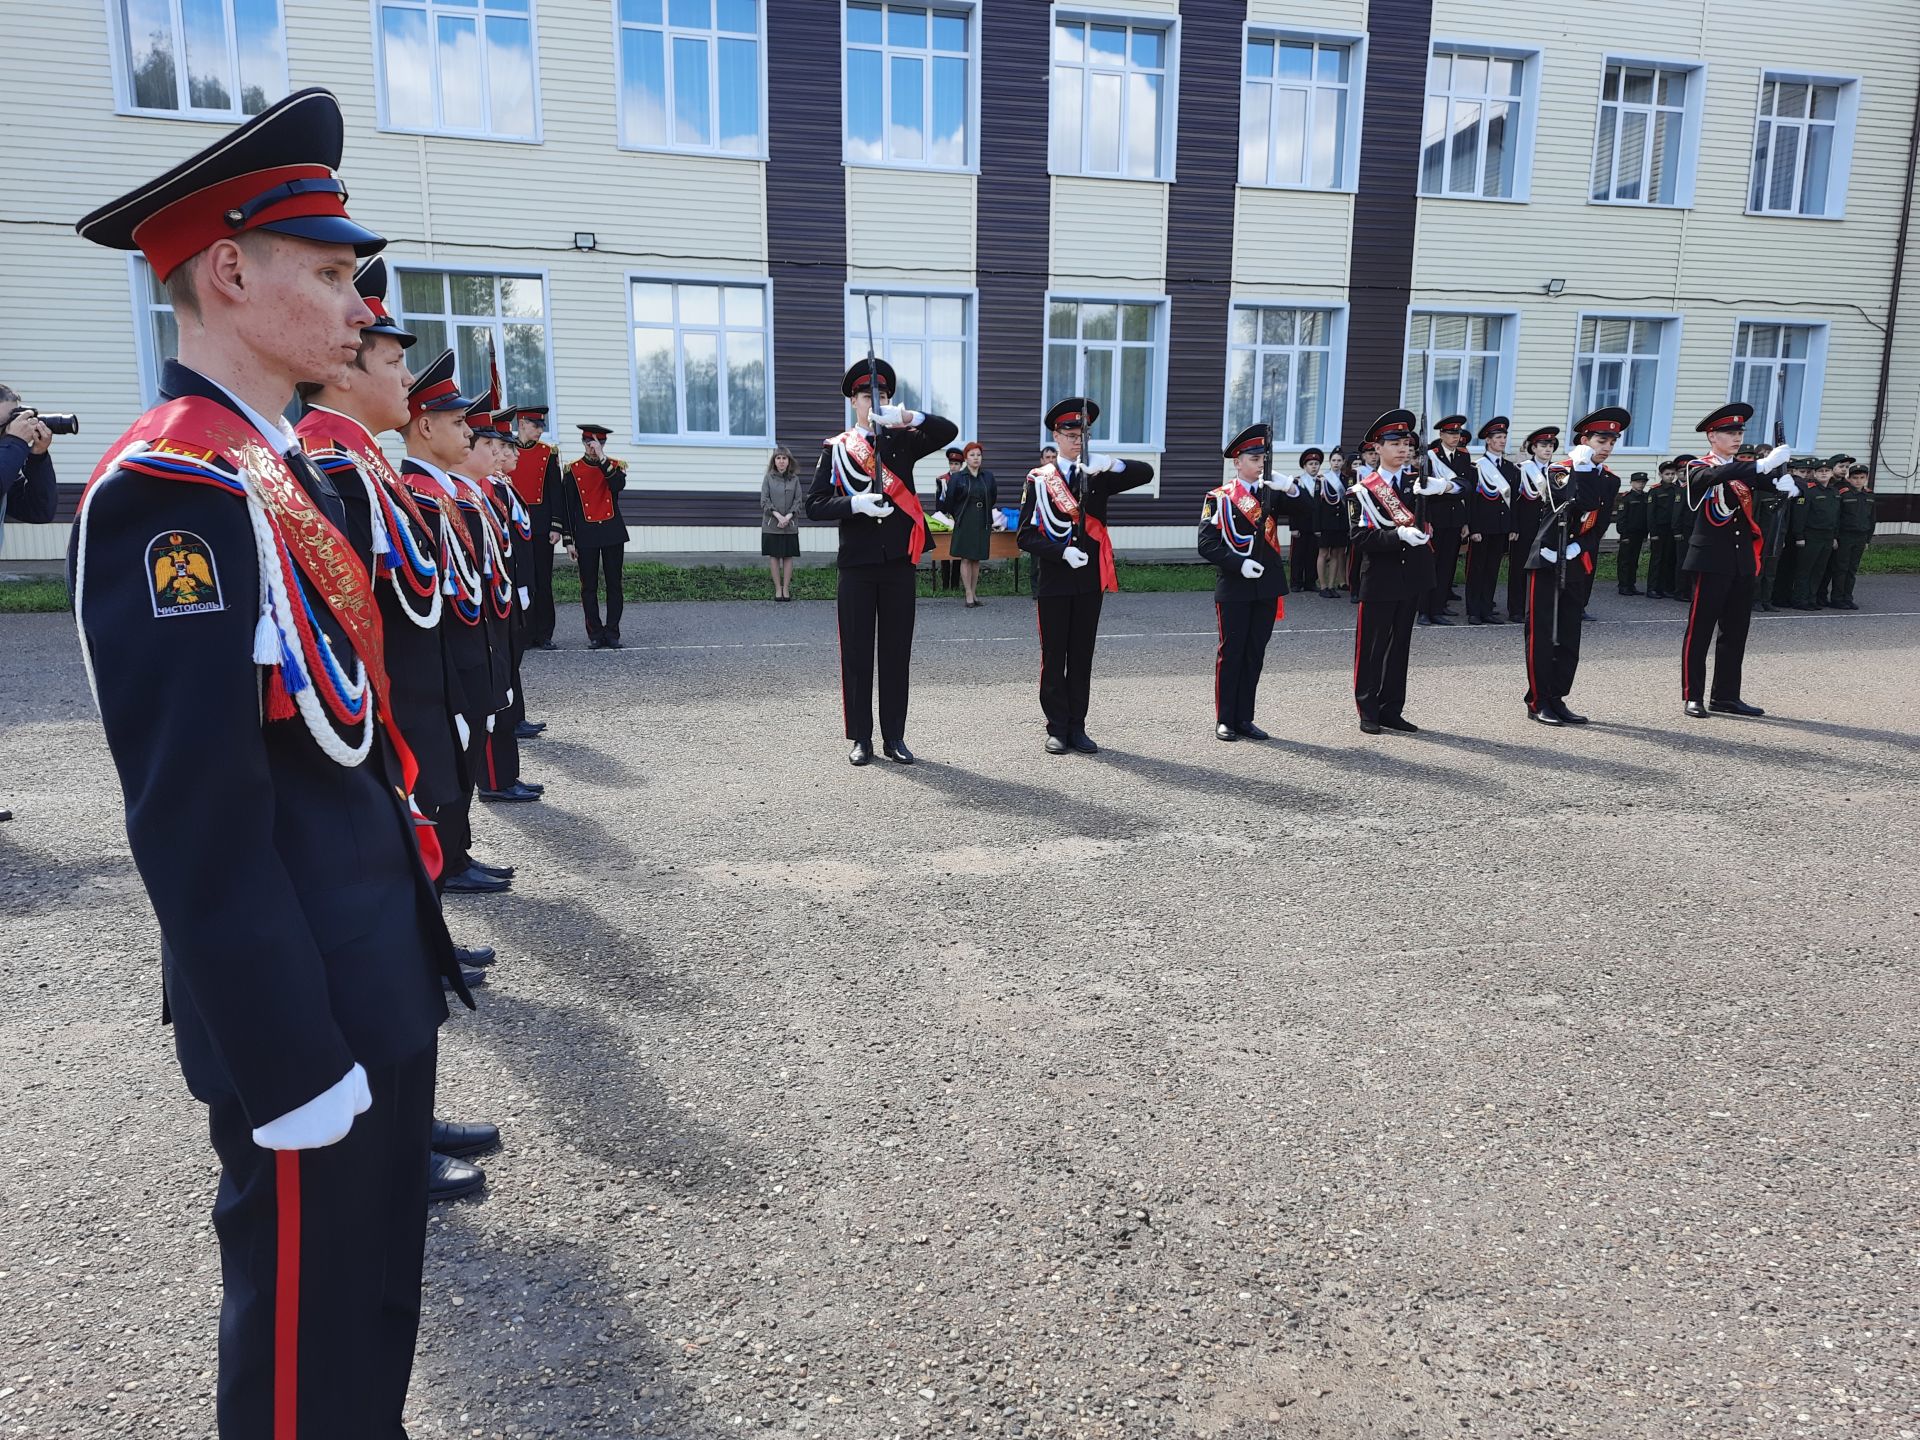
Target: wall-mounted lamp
(1552,287)
(583,240)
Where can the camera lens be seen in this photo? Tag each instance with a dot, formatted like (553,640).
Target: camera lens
(61,424)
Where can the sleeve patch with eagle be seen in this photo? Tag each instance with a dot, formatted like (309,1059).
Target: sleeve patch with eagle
(181,571)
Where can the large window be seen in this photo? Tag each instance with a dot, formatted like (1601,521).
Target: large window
(1296,112)
(927,339)
(909,72)
(1110,100)
(459,67)
(700,355)
(461,309)
(1626,360)
(1639,150)
(1457,365)
(1109,351)
(1471,141)
(159,334)
(1799,143)
(208,59)
(690,75)
(1776,370)
(1279,369)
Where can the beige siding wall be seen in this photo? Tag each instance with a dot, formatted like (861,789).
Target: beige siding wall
(923,216)
(1292,242)
(1123,246)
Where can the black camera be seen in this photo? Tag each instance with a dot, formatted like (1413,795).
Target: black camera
(56,424)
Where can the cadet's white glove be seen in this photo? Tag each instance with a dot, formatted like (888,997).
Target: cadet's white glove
(895,415)
(1252,569)
(1774,459)
(1101,464)
(1432,485)
(1285,484)
(1413,535)
(871,502)
(1787,486)
(323,1120)
(1581,457)
(1074,556)
(1573,549)
(526,598)
(466,734)
(1549,555)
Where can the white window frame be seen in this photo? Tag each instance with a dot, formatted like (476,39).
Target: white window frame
(144,310)
(721,441)
(711,35)
(1691,113)
(1529,60)
(1170,116)
(970,369)
(1508,352)
(504,265)
(1845,126)
(1333,411)
(1156,441)
(479,14)
(123,103)
(1660,423)
(972,163)
(1806,435)
(1356,42)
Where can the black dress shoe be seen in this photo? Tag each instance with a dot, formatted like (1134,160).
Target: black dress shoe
(529,785)
(524,731)
(472,882)
(1567,716)
(514,795)
(1696,710)
(472,979)
(1253,732)
(899,754)
(1423,620)
(1441,620)
(500,872)
(1475,620)
(1083,742)
(860,754)
(450,1138)
(450,1179)
(1055,745)
(596,643)
(1400,723)
(1656,594)
(1354,599)
(1587,617)
(474,955)
(545,645)
(1225,732)
(1544,717)
(1734,707)
(614,642)
(1369,727)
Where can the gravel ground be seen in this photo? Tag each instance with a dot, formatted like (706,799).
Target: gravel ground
(1498,1081)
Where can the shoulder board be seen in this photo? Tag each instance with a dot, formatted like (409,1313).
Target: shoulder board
(1699,465)
(166,461)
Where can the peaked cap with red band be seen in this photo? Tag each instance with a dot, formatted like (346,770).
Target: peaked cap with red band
(371,281)
(1544,435)
(1311,454)
(1076,412)
(1608,420)
(1727,417)
(1452,422)
(436,389)
(1496,426)
(1394,425)
(276,172)
(1250,441)
(857,378)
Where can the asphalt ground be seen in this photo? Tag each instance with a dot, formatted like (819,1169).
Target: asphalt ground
(1497,1081)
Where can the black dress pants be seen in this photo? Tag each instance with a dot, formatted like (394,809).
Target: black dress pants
(540,591)
(1659,562)
(1303,560)
(1517,552)
(320,1256)
(1380,645)
(1722,604)
(1245,627)
(876,605)
(1553,637)
(1446,559)
(610,560)
(1483,574)
(1069,629)
(1627,562)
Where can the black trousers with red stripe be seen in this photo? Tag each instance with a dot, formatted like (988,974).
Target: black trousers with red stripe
(1553,635)
(1517,552)
(1483,573)
(1069,630)
(610,561)
(876,612)
(320,1258)
(1245,627)
(1720,615)
(1381,642)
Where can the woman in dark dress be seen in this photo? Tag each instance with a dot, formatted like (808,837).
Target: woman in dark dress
(971,496)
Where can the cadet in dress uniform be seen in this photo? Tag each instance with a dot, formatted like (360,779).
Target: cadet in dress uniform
(536,480)
(1633,525)
(1682,587)
(1660,503)
(497,748)
(1303,547)
(249,713)
(1063,526)
(1529,513)
(1560,568)
(1240,535)
(1365,463)
(1330,517)
(1723,557)
(1448,462)
(596,535)
(525,542)
(864,480)
(1489,519)
(1398,579)
(1856,530)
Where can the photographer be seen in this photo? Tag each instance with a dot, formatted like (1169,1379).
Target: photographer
(26,469)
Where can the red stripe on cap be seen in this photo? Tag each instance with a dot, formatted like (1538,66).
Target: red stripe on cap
(1602,427)
(417,403)
(1732,422)
(378,307)
(174,235)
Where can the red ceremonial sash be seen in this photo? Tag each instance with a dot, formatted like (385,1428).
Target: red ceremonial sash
(892,486)
(357,441)
(529,476)
(1064,503)
(596,496)
(1248,508)
(1387,498)
(1743,493)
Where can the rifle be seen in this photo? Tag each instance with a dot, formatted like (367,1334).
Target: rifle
(1779,438)
(873,401)
(1426,470)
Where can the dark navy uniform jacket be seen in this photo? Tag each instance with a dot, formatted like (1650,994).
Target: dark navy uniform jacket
(1394,570)
(1232,585)
(299,931)
(1051,574)
(1719,546)
(865,540)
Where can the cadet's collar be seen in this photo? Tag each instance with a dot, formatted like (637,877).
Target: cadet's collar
(274,432)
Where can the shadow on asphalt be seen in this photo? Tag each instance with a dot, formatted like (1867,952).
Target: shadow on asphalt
(1239,788)
(570,936)
(1029,802)
(584,763)
(1512,752)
